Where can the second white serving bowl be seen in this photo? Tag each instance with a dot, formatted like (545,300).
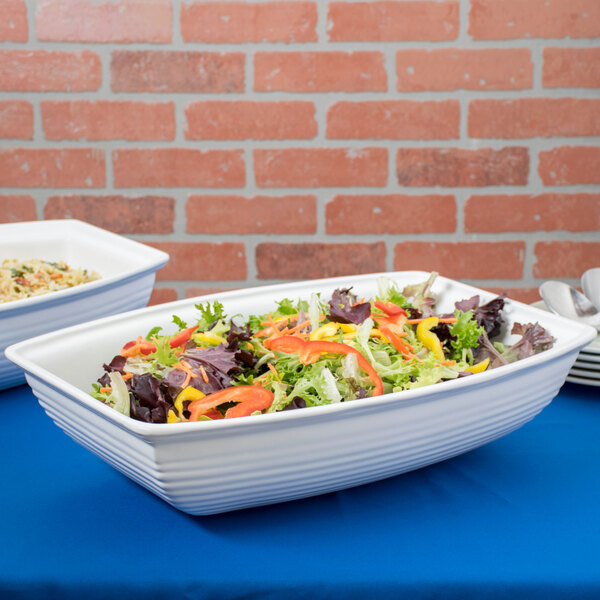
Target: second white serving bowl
(127,270)
(215,466)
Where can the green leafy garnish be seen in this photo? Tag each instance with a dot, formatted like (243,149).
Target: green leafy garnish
(164,355)
(209,314)
(466,330)
(153,332)
(179,322)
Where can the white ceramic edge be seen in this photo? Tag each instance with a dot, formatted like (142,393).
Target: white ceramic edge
(156,259)
(17,353)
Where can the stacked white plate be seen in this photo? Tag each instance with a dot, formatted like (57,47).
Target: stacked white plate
(586,369)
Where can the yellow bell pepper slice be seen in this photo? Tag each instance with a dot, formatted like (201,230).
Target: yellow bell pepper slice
(480,367)
(188,393)
(428,338)
(172,417)
(325,331)
(210,338)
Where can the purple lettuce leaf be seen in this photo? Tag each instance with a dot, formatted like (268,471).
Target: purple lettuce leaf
(490,316)
(342,311)
(419,295)
(116,364)
(147,401)
(297,402)
(534,339)
(219,358)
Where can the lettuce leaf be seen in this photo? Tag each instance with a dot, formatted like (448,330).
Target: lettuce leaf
(465,334)
(343,308)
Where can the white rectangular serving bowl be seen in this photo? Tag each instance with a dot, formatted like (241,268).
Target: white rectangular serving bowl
(127,269)
(211,467)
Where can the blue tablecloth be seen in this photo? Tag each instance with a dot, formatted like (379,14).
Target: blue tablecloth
(518,516)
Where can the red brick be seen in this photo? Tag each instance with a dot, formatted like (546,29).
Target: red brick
(463,260)
(13,21)
(391,21)
(261,214)
(565,259)
(455,167)
(202,261)
(308,261)
(246,119)
(319,72)
(571,67)
(50,167)
(545,212)
(121,214)
(240,22)
(162,295)
(48,71)
(394,120)
(192,292)
(108,120)
(124,21)
(178,167)
(321,167)
(570,165)
(512,19)
(173,71)
(16,119)
(534,117)
(393,213)
(15,208)
(464,69)
(528,295)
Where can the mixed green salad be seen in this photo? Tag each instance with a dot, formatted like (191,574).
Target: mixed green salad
(309,353)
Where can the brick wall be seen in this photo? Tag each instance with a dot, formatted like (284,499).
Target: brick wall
(275,140)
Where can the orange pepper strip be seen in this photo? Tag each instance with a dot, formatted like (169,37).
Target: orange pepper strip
(403,347)
(309,351)
(238,393)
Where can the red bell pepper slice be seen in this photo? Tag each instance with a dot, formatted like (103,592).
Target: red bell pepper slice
(147,347)
(256,395)
(310,351)
(182,337)
(389,308)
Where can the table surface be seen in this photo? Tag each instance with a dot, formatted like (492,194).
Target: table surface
(519,515)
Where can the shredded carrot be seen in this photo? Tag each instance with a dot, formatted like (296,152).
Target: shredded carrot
(415,321)
(279,319)
(185,367)
(299,327)
(274,371)
(127,376)
(274,327)
(56,276)
(103,390)
(447,363)
(203,373)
